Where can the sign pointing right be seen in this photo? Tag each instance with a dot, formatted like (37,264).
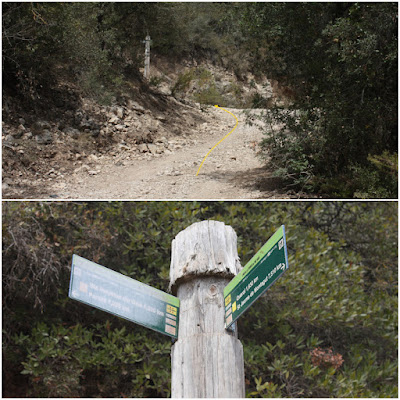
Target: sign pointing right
(266,266)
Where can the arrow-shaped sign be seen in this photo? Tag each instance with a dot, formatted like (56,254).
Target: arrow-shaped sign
(118,294)
(267,265)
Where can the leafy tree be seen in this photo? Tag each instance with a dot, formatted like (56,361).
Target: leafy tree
(340,63)
(327,329)
(99,45)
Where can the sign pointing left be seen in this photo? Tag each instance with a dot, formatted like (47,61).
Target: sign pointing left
(125,297)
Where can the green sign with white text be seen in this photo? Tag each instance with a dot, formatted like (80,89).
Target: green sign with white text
(118,294)
(267,265)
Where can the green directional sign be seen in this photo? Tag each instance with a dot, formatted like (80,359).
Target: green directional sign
(118,294)
(267,265)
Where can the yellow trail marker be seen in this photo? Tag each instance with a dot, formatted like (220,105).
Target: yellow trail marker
(237,122)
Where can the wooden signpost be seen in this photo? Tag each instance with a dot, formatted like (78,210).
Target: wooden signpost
(147,42)
(207,357)
(207,360)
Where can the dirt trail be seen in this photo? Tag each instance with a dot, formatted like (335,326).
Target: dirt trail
(231,171)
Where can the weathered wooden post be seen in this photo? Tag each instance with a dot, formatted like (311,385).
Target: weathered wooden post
(147,57)
(207,360)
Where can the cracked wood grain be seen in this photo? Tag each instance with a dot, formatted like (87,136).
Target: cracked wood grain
(207,360)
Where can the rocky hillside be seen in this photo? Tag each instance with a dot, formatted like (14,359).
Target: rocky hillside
(205,82)
(67,131)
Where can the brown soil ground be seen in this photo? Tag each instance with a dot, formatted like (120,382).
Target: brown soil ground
(231,171)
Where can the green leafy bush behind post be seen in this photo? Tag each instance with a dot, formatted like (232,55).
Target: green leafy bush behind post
(337,301)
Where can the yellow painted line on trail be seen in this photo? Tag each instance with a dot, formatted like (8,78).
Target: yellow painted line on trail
(237,122)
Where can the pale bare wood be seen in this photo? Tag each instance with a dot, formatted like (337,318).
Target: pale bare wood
(207,360)
(204,248)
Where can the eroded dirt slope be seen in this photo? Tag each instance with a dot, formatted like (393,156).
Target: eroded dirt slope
(161,164)
(231,171)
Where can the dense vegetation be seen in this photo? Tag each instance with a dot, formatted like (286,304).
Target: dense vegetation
(328,328)
(336,62)
(101,44)
(339,135)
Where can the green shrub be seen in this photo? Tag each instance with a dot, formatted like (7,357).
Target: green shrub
(60,359)
(156,81)
(183,82)
(203,76)
(340,64)
(210,96)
